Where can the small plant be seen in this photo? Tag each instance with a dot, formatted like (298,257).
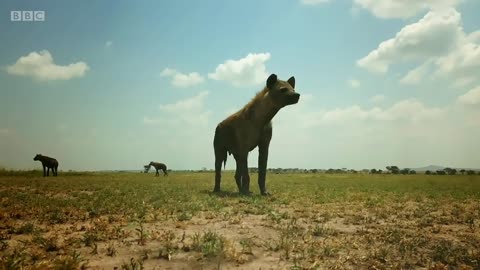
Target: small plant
(70,262)
(111,250)
(89,238)
(168,249)
(142,235)
(94,249)
(184,216)
(48,244)
(210,244)
(26,228)
(246,245)
(133,265)
(320,230)
(15,260)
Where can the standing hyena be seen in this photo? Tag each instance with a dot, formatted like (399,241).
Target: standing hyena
(49,163)
(250,127)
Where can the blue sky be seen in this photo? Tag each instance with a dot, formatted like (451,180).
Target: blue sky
(115,84)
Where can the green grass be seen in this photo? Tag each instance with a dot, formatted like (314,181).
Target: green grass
(389,221)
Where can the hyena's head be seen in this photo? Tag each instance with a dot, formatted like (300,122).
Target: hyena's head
(37,157)
(151,163)
(282,92)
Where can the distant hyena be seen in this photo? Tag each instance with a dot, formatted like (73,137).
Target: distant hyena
(49,163)
(250,127)
(158,166)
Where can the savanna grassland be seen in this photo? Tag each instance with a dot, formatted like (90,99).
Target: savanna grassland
(312,221)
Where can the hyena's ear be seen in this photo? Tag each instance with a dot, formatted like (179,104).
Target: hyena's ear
(271,81)
(291,81)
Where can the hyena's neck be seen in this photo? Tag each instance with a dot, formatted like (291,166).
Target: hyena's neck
(262,110)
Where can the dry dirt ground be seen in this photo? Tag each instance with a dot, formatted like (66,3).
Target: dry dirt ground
(312,221)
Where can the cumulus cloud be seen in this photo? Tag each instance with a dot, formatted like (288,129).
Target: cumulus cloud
(40,65)
(406,133)
(437,44)
(472,97)
(403,9)
(416,75)
(377,98)
(353,83)
(462,63)
(190,111)
(249,70)
(182,80)
(314,2)
(406,110)
(437,33)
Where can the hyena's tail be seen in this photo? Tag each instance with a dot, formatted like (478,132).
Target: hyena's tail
(225,159)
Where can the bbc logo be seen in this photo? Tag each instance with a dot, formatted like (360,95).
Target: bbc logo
(27,16)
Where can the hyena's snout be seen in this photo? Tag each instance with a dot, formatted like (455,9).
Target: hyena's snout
(294,98)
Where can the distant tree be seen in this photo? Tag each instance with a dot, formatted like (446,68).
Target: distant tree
(428,172)
(450,171)
(470,172)
(373,171)
(314,170)
(462,171)
(441,172)
(412,172)
(405,171)
(393,169)
(353,171)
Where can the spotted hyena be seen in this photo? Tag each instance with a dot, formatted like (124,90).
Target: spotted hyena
(250,127)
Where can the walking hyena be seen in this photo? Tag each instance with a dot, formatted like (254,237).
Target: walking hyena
(49,163)
(250,127)
(158,166)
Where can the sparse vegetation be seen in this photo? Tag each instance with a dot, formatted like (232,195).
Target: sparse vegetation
(336,219)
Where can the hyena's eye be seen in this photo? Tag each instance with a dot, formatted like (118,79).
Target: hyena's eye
(283,90)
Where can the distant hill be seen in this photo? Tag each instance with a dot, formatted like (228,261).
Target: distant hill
(434,168)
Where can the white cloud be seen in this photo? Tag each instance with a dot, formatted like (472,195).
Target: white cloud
(410,110)
(353,83)
(472,97)
(108,44)
(407,133)
(41,66)
(403,8)
(463,63)
(437,33)
(377,98)
(190,111)
(194,103)
(314,2)
(182,80)
(438,43)
(249,70)
(416,75)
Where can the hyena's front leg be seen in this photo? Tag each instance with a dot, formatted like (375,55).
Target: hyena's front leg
(262,168)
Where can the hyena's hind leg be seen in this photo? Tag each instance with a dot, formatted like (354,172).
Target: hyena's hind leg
(220,157)
(241,174)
